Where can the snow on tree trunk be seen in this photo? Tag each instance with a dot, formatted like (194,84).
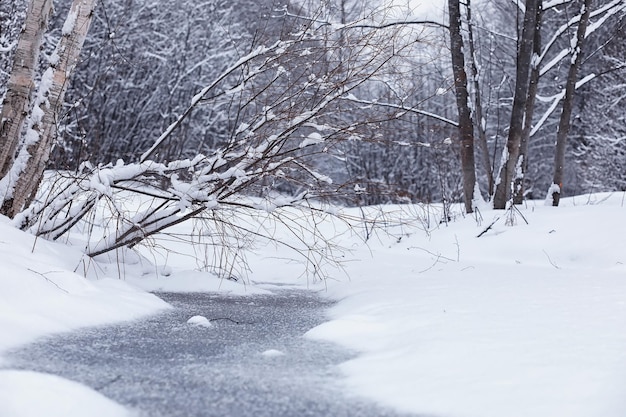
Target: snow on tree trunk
(568,103)
(478,107)
(20,86)
(511,153)
(533,85)
(27,171)
(466,126)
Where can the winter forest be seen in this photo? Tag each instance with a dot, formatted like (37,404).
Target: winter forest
(347,101)
(312,207)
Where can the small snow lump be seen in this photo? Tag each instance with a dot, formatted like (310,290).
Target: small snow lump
(199,321)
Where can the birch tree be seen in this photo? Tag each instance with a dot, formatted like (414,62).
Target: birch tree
(20,183)
(16,105)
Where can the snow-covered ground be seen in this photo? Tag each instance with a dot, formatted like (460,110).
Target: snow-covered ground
(42,292)
(526,320)
(523,321)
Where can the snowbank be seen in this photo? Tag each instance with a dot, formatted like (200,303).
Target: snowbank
(40,294)
(523,321)
(32,394)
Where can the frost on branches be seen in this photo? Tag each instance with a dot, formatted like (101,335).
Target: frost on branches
(283,98)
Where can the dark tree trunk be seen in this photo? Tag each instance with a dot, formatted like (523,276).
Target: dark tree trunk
(520,183)
(506,178)
(466,125)
(568,104)
(478,107)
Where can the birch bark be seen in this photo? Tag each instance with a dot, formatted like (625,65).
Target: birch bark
(36,151)
(21,81)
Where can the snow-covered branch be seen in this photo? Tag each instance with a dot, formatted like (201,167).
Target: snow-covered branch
(400,107)
(555,100)
(607,11)
(283,98)
(198,97)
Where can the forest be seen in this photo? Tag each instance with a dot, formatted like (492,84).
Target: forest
(196,104)
(321,208)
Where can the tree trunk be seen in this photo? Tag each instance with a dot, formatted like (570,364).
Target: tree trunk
(20,86)
(36,151)
(533,84)
(478,107)
(568,104)
(466,125)
(506,178)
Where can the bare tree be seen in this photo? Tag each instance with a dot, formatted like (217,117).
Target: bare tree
(596,151)
(510,159)
(466,124)
(568,103)
(284,105)
(143,63)
(533,86)
(549,61)
(478,105)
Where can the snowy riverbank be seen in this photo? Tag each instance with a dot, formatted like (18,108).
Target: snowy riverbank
(525,320)
(41,294)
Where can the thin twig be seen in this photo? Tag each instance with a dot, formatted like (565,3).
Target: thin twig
(48,279)
(489,227)
(231,320)
(550,260)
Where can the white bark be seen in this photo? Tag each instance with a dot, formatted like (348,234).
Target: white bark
(36,152)
(20,86)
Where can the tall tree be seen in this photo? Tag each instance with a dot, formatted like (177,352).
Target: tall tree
(568,103)
(510,159)
(478,106)
(466,125)
(20,87)
(23,178)
(533,85)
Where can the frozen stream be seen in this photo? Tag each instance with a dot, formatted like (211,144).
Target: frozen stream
(163,366)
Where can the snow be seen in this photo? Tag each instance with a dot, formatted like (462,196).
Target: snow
(40,294)
(526,320)
(272,353)
(52,396)
(313,139)
(70,22)
(200,321)
(183,281)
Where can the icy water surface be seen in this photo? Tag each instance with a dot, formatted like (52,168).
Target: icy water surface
(164,367)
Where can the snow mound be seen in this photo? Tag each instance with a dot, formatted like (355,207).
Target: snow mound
(200,321)
(181,279)
(33,394)
(526,320)
(272,353)
(40,293)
